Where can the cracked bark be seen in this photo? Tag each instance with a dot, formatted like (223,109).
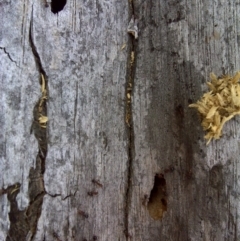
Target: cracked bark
(123,157)
(23,223)
(9,56)
(131,65)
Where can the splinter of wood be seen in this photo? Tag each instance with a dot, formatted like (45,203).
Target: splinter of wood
(132,27)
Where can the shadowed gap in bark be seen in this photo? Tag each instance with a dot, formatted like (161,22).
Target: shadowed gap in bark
(57,5)
(157,204)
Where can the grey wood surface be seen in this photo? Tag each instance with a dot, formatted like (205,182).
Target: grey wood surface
(180,43)
(122,157)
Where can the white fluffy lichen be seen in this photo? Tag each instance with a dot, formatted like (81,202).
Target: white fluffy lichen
(219,105)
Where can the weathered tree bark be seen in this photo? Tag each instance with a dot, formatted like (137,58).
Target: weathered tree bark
(122,156)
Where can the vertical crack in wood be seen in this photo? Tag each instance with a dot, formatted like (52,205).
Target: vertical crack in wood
(129,120)
(23,223)
(34,49)
(29,217)
(39,127)
(75,108)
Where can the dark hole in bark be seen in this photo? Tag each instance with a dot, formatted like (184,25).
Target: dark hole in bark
(157,203)
(180,111)
(57,5)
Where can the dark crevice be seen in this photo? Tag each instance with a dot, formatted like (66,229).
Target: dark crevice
(34,49)
(34,200)
(23,224)
(75,107)
(18,223)
(157,203)
(131,64)
(58,195)
(54,195)
(57,5)
(70,195)
(36,179)
(9,56)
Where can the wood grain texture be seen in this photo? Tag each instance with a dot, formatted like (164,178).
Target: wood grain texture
(86,73)
(155,179)
(80,52)
(180,43)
